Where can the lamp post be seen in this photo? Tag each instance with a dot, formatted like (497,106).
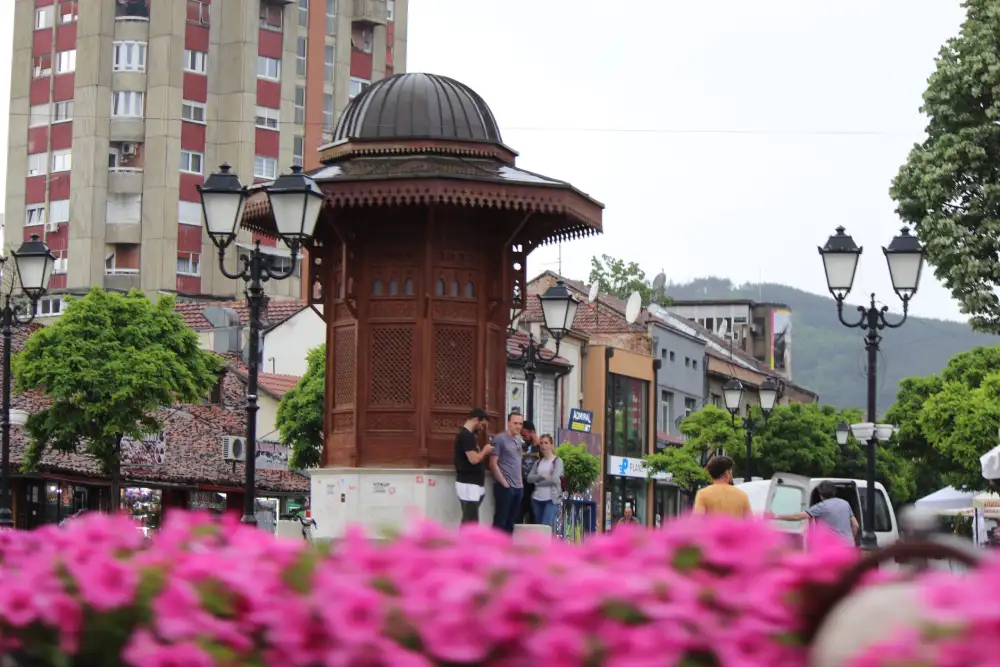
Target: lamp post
(905,258)
(558,311)
(295,201)
(732,393)
(33,262)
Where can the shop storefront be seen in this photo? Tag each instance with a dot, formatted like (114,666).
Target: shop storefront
(145,506)
(627,441)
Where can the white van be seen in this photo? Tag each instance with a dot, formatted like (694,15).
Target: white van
(785,493)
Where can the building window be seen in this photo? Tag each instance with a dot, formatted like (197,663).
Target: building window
(34,214)
(267,118)
(716,400)
(48,306)
(265,167)
(61,265)
(41,66)
(126,104)
(38,115)
(301,48)
(44,17)
(191,162)
(66,61)
(300,105)
(197,12)
(361,40)
(59,210)
(62,111)
(694,364)
(671,355)
(666,400)
(193,111)
(130,57)
(268,68)
(188,264)
(687,362)
(195,61)
(298,144)
(304,13)
(189,213)
(629,416)
(67,12)
(390,10)
(37,163)
(328,112)
(271,17)
(132,11)
(61,160)
(357,87)
(329,62)
(331,17)
(690,405)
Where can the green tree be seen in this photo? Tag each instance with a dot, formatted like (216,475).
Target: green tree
(711,430)
(800,438)
(947,421)
(949,186)
(109,365)
(683,463)
(300,413)
(619,278)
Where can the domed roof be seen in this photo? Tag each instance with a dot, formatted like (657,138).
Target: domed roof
(418,106)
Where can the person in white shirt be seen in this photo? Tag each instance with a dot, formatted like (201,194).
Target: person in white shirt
(546,475)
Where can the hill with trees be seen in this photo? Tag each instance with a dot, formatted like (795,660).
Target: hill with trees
(829,358)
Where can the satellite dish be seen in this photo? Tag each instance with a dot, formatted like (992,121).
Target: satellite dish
(633,307)
(592,297)
(659,281)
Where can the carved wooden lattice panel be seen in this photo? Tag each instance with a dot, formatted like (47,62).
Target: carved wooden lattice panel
(344,361)
(454,365)
(491,355)
(392,366)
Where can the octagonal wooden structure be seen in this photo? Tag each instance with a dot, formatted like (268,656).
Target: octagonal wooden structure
(419,256)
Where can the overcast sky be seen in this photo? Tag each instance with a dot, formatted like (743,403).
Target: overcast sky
(725,138)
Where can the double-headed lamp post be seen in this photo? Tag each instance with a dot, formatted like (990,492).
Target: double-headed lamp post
(296,202)
(905,258)
(558,310)
(732,394)
(33,263)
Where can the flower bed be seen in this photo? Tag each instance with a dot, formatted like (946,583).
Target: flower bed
(208,591)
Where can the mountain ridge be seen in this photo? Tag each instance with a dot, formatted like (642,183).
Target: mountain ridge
(829,358)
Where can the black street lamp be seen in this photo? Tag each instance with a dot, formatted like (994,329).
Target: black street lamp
(905,258)
(33,262)
(558,310)
(732,394)
(295,201)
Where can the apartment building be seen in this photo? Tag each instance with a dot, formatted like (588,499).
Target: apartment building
(120,108)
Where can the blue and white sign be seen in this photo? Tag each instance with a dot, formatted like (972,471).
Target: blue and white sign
(581,420)
(623,466)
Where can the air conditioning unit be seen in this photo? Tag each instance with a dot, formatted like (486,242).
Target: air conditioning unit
(128,148)
(234,448)
(52,227)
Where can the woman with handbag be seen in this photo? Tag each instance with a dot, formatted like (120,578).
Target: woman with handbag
(546,475)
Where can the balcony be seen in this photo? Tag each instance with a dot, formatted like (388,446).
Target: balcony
(370,11)
(132,10)
(125,180)
(121,279)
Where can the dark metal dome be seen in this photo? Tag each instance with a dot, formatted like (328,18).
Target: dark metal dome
(418,106)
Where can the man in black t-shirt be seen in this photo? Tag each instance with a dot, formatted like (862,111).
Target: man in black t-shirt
(529,456)
(470,471)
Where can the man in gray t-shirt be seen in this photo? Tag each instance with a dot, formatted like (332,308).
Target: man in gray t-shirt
(835,513)
(505,465)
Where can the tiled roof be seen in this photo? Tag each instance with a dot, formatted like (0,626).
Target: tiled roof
(276,311)
(519,340)
(605,315)
(274,384)
(194,445)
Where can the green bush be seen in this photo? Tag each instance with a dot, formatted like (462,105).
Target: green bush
(581,467)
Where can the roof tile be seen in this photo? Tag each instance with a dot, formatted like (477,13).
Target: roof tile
(275,312)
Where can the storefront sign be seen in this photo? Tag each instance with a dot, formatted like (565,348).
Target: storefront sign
(623,466)
(272,455)
(150,452)
(581,420)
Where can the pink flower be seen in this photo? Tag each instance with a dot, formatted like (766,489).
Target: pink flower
(105,583)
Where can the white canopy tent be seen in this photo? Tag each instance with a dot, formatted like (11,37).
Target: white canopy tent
(948,498)
(991,463)
(986,500)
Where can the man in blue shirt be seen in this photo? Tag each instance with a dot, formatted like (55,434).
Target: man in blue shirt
(505,466)
(833,512)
